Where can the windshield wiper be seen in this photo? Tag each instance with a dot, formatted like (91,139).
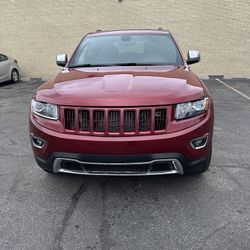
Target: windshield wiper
(124,64)
(88,65)
(134,64)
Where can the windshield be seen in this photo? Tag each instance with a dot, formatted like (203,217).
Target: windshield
(112,50)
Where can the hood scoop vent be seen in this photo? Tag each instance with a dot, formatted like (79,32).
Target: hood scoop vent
(116,83)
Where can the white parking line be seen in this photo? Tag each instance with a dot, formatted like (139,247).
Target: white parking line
(235,90)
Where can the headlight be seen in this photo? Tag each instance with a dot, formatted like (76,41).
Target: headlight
(190,109)
(46,110)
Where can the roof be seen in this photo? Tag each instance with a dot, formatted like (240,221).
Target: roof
(129,31)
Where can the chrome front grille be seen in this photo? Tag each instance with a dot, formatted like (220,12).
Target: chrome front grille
(115,121)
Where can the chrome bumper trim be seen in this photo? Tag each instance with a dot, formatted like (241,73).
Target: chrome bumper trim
(37,138)
(176,163)
(202,146)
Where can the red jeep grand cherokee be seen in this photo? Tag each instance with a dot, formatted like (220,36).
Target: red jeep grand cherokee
(126,103)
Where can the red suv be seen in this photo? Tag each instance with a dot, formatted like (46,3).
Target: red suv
(126,103)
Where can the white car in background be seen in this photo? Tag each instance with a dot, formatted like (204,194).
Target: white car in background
(9,69)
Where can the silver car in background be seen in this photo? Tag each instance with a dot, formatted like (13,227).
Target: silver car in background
(9,69)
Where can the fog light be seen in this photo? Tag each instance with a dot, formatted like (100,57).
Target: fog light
(199,143)
(37,142)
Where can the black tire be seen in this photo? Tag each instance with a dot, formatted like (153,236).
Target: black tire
(14,76)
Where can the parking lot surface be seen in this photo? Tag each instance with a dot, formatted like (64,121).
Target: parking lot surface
(43,211)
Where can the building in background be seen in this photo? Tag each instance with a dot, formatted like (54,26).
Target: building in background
(35,31)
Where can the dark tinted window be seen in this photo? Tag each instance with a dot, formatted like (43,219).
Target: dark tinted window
(3,58)
(145,49)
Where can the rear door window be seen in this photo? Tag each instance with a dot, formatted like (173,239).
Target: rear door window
(3,58)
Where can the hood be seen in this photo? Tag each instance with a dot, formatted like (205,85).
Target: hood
(143,87)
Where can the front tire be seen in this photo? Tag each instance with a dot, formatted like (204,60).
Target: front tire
(14,76)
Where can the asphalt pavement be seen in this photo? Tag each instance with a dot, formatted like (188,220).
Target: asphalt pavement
(210,211)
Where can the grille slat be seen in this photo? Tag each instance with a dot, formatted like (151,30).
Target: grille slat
(145,120)
(129,121)
(117,168)
(160,119)
(99,121)
(84,120)
(69,119)
(114,123)
(105,121)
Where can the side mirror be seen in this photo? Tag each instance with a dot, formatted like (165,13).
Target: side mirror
(193,57)
(61,60)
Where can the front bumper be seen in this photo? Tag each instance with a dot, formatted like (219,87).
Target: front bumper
(123,151)
(117,165)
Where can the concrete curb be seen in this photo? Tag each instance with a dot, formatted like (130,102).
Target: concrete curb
(226,77)
(37,79)
(25,79)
